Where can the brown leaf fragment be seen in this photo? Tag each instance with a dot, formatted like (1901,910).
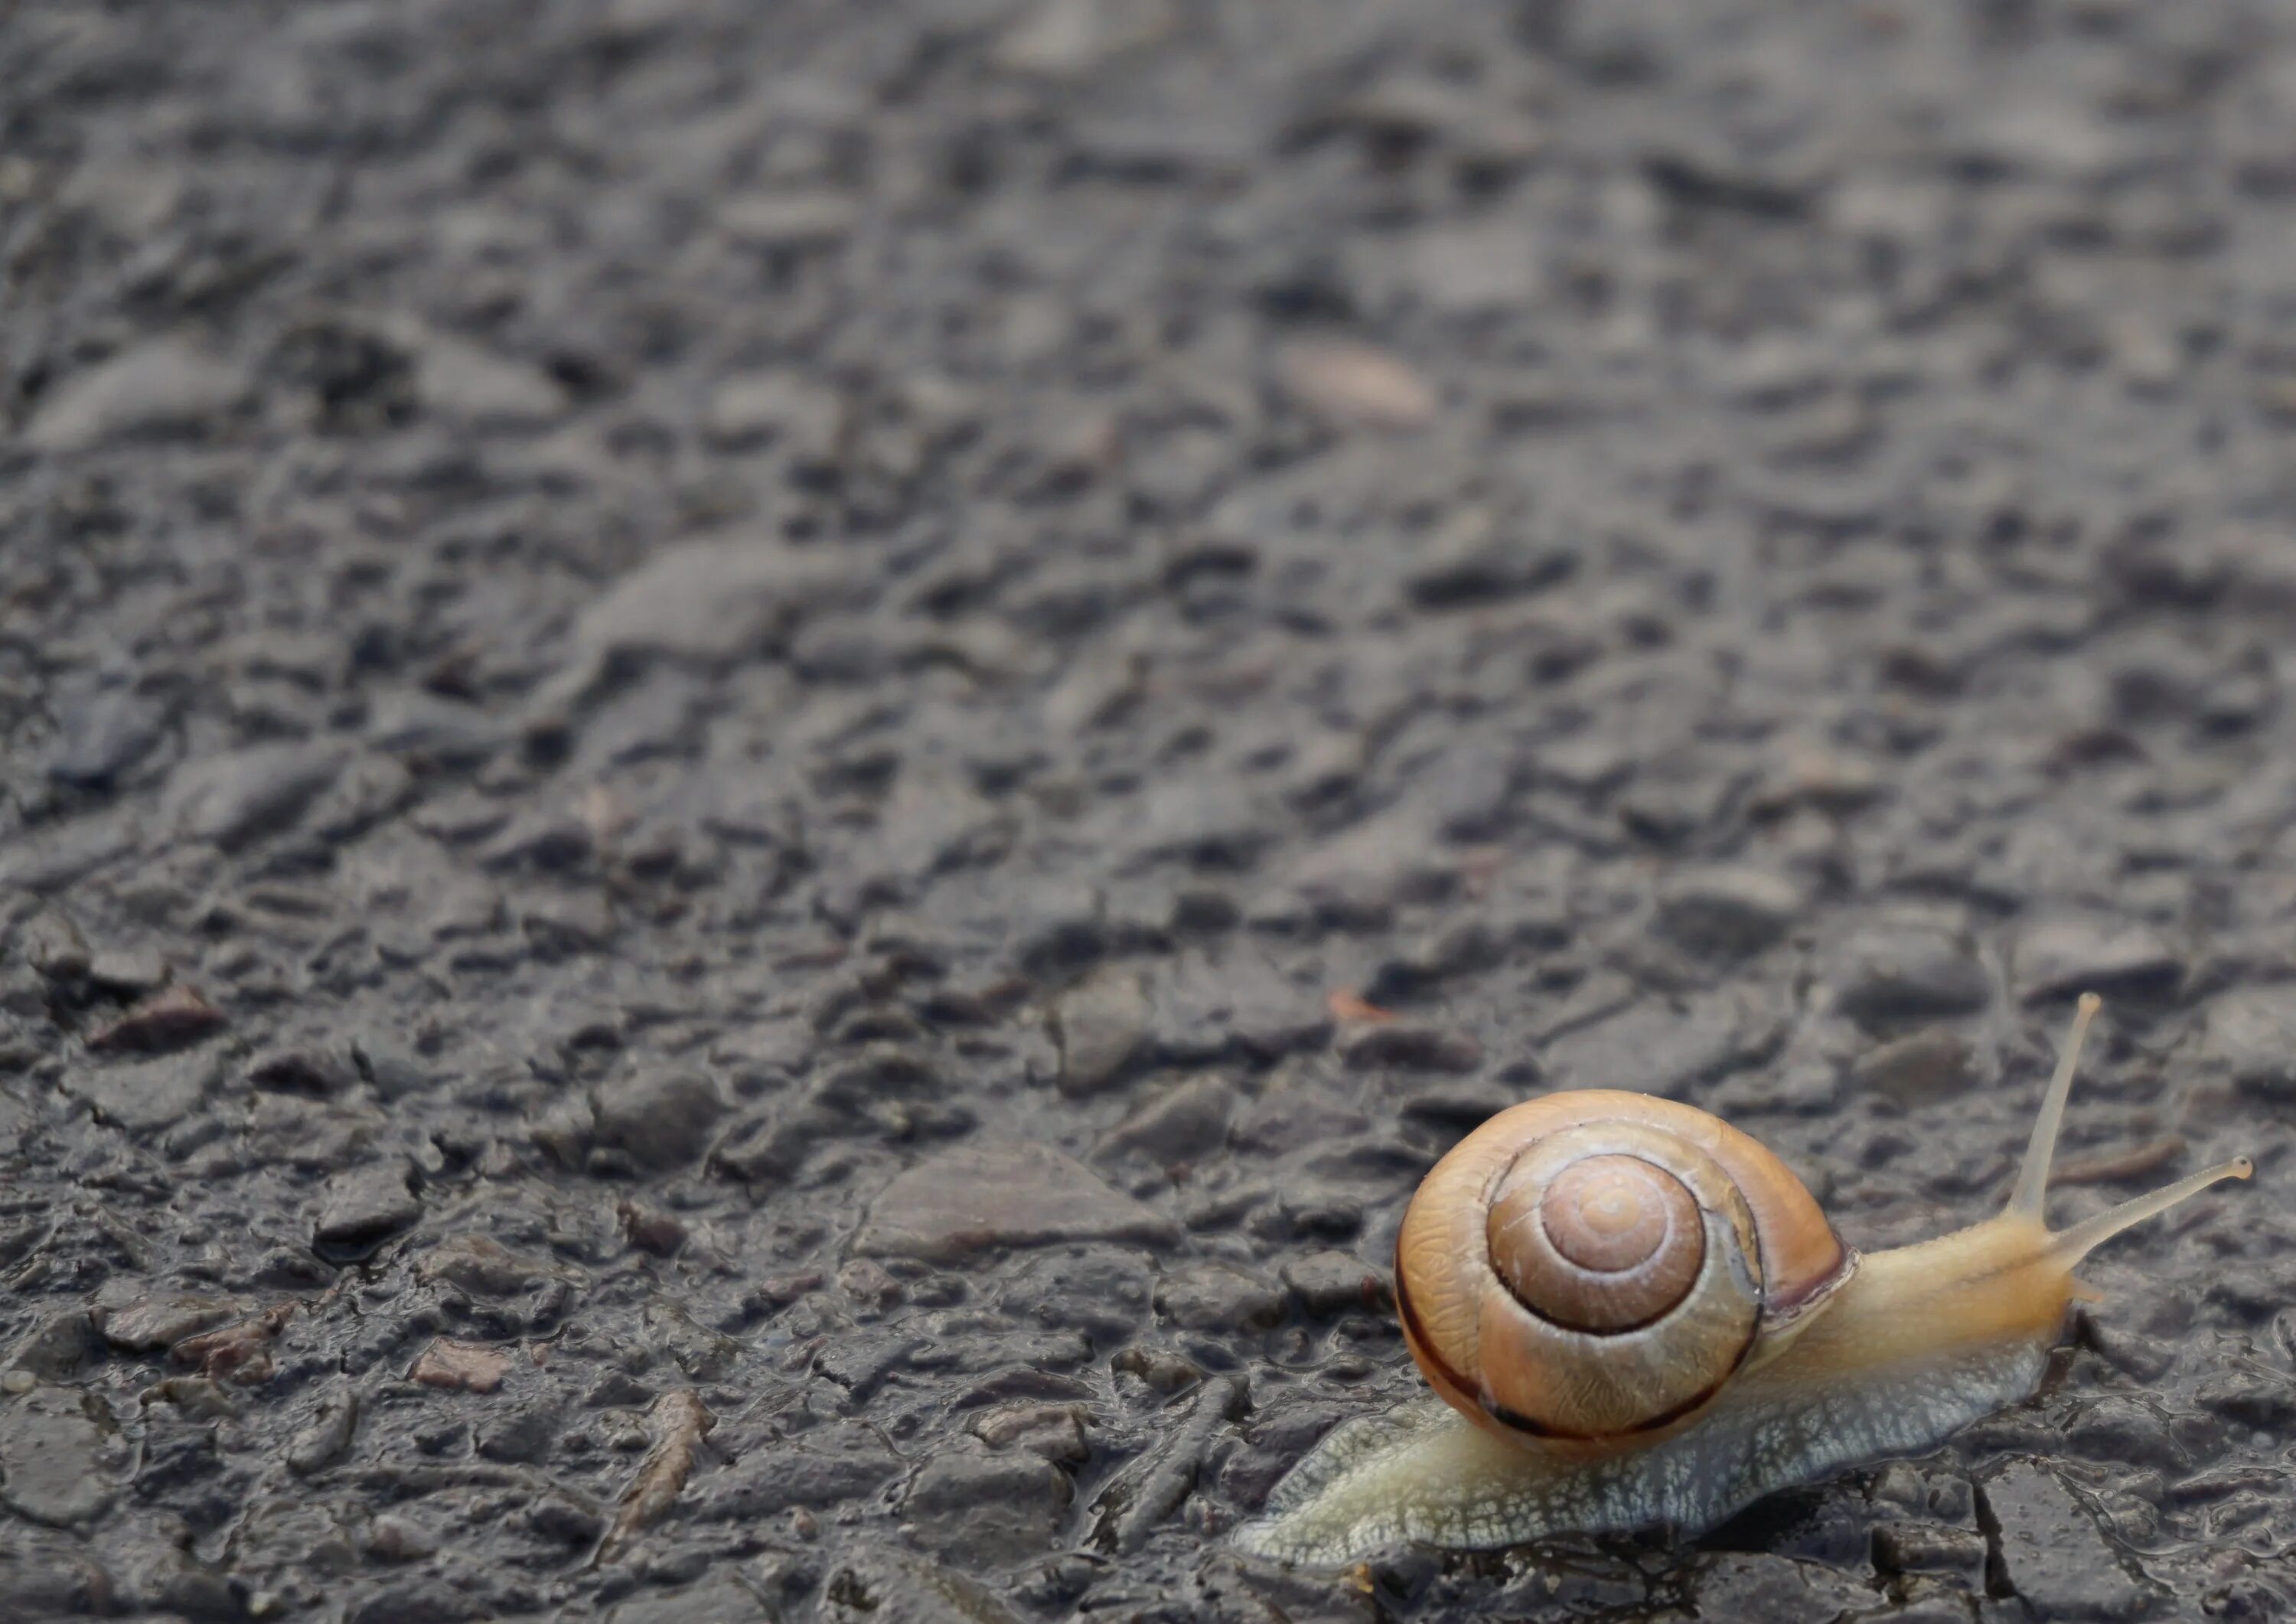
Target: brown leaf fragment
(678,1422)
(169,1018)
(2111,1167)
(1346,1005)
(447,1363)
(238,1352)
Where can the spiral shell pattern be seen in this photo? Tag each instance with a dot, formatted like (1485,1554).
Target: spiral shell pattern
(1612,1242)
(1597,1263)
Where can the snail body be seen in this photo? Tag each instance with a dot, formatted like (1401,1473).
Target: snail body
(1632,1314)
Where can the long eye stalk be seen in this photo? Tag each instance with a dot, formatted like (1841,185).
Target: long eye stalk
(2033,1177)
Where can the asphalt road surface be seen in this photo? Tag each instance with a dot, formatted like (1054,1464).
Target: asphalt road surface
(770,770)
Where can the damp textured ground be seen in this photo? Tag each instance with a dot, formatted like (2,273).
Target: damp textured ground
(700,702)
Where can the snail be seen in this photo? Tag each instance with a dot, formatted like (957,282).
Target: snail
(1632,1314)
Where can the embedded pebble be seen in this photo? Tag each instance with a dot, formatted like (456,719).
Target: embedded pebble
(394,1537)
(982,1196)
(127,972)
(2053,1554)
(450,1363)
(1217,1296)
(481,388)
(748,412)
(660,1118)
(324,1440)
(52,945)
(825,1467)
(709,601)
(2253,1033)
(1657,1047)
(145,1096)
(2126,1431)
(1329,1283)
(1056,1432)
(1919,1068)
(150,1325)
(1900,972)
(103,733)
(167,384)
(1727,910)
(724,1599)
(2063,957)
(1927,1548)
(986,1507)
(362,1207)
(58,1460)
(1354,385)
(1234,1006)
(890,1586)
(237,797)
(1185,1120)
(1099,1026)
(526,1436)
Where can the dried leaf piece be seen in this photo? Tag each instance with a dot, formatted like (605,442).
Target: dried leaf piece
(239,1352)
(2111,1167)
(1346,1005)
(447,1363)
(169,1018)
(678,1422)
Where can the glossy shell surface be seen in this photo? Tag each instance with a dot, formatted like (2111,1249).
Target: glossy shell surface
(1598,1263)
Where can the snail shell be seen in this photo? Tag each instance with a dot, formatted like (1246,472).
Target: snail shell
(1599,1263)
(1634,1314)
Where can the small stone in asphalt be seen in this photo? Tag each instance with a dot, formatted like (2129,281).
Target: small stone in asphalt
(103,734)
(980,1196)
(1919,1068)
(1099,1025)
(149,1325)
(164,385)
(1354,385)
(1895,972)
(1330,1283)
(1217,1296)
(144,1096)
(2057,958)
(461,1365)
(990,1507)
(2053,1554)
(234,798)
(2254,1034)
(661,1119)
(1186,1121)
(363,1207)
(884,1585)
(1727,910)
(57,1462)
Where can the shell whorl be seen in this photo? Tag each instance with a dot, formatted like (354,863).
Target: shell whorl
(1611,1243)
(1598,1263)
